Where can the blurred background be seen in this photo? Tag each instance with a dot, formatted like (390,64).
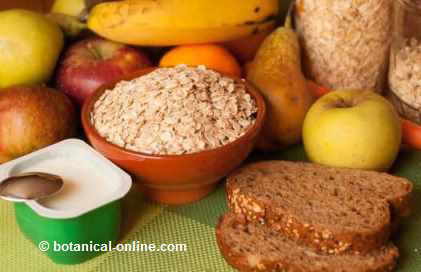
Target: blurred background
(39,5)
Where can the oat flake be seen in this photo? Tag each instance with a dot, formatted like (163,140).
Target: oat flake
(346,42)
(405,77)
(177,110)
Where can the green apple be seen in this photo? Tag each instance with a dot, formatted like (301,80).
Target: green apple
(68,7)
(30,45)
(353,129)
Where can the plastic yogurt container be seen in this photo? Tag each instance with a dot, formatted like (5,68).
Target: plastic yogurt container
(85,212)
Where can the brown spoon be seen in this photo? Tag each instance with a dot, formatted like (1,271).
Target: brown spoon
(30,186)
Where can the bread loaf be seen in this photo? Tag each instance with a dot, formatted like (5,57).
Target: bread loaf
(332,210)
(251,246)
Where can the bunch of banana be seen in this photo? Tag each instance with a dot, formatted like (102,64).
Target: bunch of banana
(176,22)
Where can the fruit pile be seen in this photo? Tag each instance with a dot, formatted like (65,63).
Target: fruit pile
(82,45)
(349,129)
(60,51)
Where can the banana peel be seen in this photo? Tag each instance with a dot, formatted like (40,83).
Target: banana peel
(71,15)
(177,22)
(70,25)
(170,22)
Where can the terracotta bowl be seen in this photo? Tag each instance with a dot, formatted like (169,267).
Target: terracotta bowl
(176,179)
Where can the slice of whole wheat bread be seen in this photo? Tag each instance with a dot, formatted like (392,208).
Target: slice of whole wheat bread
(251,246)
(332,210)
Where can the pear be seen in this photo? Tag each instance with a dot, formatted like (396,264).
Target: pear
(276,72)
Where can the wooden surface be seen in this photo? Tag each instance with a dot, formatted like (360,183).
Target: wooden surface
(38,5)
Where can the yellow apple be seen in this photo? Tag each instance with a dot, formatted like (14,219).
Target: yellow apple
(30,45)
(353,129)
(68,7)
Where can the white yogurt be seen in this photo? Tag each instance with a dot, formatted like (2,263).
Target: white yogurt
(90,180)
(83,184)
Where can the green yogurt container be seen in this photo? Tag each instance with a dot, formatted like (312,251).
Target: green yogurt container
(81,221)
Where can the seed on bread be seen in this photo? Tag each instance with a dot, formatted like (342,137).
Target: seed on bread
(250,247)
(332,210)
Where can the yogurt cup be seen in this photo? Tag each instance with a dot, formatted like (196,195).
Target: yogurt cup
(86,212)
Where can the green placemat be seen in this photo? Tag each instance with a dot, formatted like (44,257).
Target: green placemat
(190,224)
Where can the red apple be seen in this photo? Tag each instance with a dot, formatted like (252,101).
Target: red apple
(92,62)
(32,118)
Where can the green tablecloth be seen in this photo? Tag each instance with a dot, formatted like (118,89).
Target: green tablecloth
(190,224)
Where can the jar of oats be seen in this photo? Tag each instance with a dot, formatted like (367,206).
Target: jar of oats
(405,59)
(345,43)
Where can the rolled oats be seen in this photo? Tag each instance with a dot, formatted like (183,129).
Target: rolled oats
(346,43)
(171,111)
(405,77)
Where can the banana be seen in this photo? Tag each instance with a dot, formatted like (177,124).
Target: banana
(177,22)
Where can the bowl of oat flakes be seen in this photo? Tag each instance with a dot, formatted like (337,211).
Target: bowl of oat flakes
(177,130)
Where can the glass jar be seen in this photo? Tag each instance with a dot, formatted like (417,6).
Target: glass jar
(346,43)
(405,59)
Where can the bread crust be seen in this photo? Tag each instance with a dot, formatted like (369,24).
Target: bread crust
(240,262)
(320,238)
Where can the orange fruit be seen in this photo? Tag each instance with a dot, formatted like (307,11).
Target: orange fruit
(246,48)
(213,56)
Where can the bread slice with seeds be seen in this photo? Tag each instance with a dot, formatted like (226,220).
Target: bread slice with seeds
(251,246)
(332,210)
